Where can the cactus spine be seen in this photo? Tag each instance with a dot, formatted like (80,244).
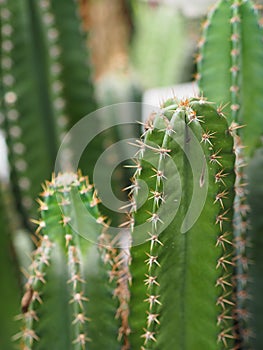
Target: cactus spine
(181,274)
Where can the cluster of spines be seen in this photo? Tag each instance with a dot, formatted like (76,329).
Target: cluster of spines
(225,301)
(225,263)
(118,259)
(76,282)
(241,227)
(157,198)
(58,188)
(36,278)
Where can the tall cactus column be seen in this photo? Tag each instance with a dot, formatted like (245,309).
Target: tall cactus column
(230,72)
(182,292)
(45,88)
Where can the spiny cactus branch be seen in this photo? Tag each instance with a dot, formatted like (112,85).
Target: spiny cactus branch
(70,245)
(177,264)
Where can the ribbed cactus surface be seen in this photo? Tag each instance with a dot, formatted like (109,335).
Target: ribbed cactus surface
(230,72)
(69,301)
(182,254)
(230,68)
(45,88)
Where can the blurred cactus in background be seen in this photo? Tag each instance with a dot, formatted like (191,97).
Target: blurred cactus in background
(10,291)
(43,61)
(159,41)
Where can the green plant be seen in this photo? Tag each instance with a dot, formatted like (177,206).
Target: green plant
(67,291)
(232,76)
(194,137)
(158,31)
(181,272)
(255,196)
(43,59)
(230,65)
(184,281)
(10,291)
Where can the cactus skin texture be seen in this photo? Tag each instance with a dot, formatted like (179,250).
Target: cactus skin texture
(182,292)
(10,292)
(43,60)
(68,302)
(230,68)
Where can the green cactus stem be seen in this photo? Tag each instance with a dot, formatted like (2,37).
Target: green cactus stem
(230,72)
(241,226)
(255,196)
(230,65)
(10,291)
(45,89)
(68,301)
(181,258)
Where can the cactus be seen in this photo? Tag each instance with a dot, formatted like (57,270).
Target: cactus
(182,292)
(189,262)
(10,293)
(231,76)
(255,195)
(43,60)
(67,301)
(156,27)
(230,65)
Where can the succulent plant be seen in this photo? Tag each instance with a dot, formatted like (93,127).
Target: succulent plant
(231,76)
(10,291)
(182,250)
(230,65)
(43,59)
(255,196)
(187,155)
(68,301)
(189,278)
